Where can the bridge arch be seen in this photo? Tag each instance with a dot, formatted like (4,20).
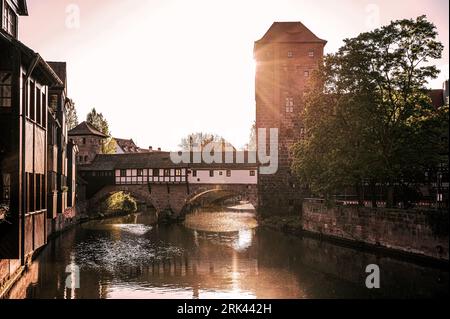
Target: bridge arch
(201,194)
(137,193)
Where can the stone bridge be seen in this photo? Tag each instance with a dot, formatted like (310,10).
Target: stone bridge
(178,199)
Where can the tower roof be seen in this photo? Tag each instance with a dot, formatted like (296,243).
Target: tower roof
(290,32)
(86,129)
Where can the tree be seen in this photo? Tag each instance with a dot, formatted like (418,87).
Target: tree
(252,144)
(100,123)
(200,140)
(119,202)
(71,114)
(367,112)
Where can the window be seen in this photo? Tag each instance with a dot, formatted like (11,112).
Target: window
(54,102)
(140,172)
(178,172)
(252,173)
(5,189)
(123,172)
(9,20)
(306,74)
(156,172)
(86,158)
(5,89)
(220,173)
(289,105)
(211,173)
(228,173)
(311,53)
(290,54)
(194,173)
(44,110)
(32,101)
(167,172)
(38,106)
(84,141)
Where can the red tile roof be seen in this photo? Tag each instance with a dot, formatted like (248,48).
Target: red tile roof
(290,32)
(86,129)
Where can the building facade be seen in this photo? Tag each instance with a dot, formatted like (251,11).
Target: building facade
(33,146)
(286,56)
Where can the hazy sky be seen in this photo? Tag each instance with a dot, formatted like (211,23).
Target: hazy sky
(160,69)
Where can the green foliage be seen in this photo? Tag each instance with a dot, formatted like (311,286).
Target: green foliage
(119,202)
(252,144)
(100,123)
(71,115)
(110,146)
(367,112)
(202,139)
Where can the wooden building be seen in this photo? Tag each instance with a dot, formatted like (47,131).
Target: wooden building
(61,155)
(37,171)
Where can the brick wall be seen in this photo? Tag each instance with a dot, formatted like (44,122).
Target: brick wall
(413,231)
(280,78)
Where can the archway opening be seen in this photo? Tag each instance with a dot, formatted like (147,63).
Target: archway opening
(123,203)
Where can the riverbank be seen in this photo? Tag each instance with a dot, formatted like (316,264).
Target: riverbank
(294,225)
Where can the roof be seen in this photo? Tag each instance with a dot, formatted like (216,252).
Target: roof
(105,162)
(86,129)
(32,58)
(23,10)
(60,69)
(128,146)
(108,162)
(290,32)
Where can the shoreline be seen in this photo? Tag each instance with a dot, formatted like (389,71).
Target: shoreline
(290,225)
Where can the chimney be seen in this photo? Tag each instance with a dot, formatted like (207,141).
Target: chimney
(150,148)
(159,149)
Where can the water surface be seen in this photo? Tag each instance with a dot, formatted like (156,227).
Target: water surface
(214,255)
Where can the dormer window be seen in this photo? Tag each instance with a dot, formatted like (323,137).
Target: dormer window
(9,20)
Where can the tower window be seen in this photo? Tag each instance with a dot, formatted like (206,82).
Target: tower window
(311,54)
(289,105)
(290,54)
(306,74)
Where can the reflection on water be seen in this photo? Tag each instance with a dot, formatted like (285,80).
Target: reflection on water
(215,255)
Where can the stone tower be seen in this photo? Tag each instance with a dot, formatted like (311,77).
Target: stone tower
(286,56)
(89,140)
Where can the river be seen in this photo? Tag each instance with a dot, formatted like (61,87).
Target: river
(213,255)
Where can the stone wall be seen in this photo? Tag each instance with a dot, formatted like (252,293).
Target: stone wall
(419,232)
